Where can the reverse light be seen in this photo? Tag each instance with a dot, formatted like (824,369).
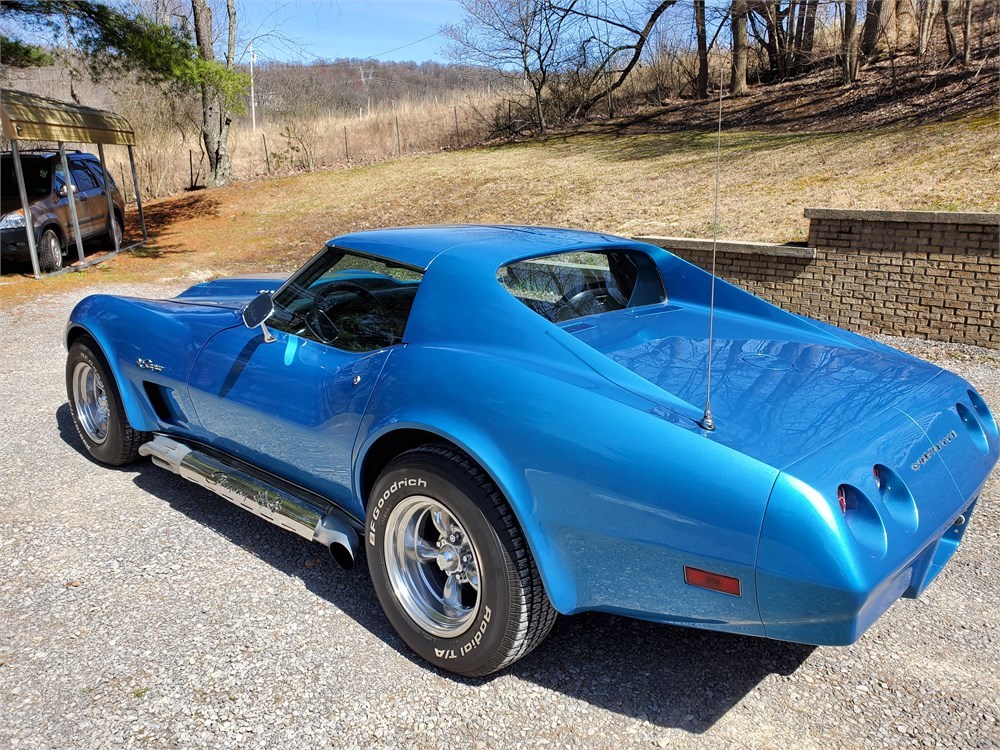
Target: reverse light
(13,220)
(713,581)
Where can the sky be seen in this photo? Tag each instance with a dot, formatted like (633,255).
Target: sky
(328,29)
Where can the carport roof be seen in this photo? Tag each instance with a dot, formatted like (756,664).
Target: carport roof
(31,117)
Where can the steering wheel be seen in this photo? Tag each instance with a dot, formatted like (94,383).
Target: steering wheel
(337,320)
(585,299)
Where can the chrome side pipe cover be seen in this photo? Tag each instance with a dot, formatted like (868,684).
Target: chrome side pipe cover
(257,496)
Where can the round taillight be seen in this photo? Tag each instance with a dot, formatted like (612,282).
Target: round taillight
(863,520)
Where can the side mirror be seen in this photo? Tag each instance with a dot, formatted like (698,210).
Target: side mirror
(257,313)
(64,191)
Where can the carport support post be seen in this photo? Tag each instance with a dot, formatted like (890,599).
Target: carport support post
(29,225)
(71,192)
(107,194)
(138,198)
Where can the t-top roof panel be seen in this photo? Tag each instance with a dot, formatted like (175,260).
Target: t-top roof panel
(31,117)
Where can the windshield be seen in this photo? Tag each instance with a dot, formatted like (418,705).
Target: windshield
(37,177)
(565,286)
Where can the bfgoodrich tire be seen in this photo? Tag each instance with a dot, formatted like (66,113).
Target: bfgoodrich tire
(96,405)
(451,566)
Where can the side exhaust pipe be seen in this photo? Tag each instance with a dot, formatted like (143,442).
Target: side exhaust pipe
(261,498)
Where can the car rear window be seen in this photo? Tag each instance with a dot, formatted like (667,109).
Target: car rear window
(565,286)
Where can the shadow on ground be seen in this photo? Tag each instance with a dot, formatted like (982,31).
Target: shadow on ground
(160,217)
(673,677)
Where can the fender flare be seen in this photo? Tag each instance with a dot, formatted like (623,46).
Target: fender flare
(556,577)
(140,416)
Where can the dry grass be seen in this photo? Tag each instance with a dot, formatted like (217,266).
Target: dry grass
(170,159)
(629,185)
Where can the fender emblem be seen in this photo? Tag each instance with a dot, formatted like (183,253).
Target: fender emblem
(936,448)
(148,364)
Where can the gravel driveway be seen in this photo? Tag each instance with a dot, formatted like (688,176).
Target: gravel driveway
(139,610)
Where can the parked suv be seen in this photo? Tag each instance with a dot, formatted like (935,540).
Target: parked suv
(49,202)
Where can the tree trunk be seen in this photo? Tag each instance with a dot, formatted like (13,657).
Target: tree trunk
(738,80)
(967,35)
(805,57)
(699,22)
(849,52)
(880,22)
(949,31)
(772,40)
(536,87)
(926,24)
(215,120)
(800,30)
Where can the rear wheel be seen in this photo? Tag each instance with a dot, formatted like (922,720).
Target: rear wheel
(50,257)
(114,232)
(451,566)
(96,405)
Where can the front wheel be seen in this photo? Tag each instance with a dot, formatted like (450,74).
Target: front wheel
(50,256)
(451,566)
(96,405)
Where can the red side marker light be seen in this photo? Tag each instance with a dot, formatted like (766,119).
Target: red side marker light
(842,499)
(714,581)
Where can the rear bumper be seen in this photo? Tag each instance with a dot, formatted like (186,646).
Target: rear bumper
(825,572)
(830,615)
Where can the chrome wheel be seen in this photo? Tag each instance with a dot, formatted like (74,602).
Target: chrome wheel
(433,566)
(91,400)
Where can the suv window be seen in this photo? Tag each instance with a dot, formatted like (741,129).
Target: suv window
(94,168)
(348,300)
(37,177)
(571,285)
(84,179)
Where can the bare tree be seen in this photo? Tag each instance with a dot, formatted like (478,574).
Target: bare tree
(928,11)
(967,34)
(216,117)
(623,34)
(699,24)
(880,22)
(849,49)
(501,34)
(949,31)
(738,80)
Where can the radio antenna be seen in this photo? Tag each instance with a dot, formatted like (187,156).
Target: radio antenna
(707,422)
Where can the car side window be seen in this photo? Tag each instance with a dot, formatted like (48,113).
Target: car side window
(82,178)
(94,168)
(572,285)
(348,300)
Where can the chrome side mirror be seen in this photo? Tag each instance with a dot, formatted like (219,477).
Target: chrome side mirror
(257,313)
(64,191)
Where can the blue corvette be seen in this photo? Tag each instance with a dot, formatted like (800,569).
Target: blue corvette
(510,422)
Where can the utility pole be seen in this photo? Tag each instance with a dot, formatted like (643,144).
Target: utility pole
(253,97)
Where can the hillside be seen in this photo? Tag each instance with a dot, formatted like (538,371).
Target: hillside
(651,183)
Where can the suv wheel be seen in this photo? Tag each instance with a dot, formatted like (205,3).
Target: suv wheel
(114,232)
(50,257)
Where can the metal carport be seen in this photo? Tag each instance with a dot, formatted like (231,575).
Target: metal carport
(29,117)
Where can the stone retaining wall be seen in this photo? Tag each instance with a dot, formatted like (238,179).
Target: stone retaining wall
(910,273)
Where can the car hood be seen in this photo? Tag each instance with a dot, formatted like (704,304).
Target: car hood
(234,292)
(782,385)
